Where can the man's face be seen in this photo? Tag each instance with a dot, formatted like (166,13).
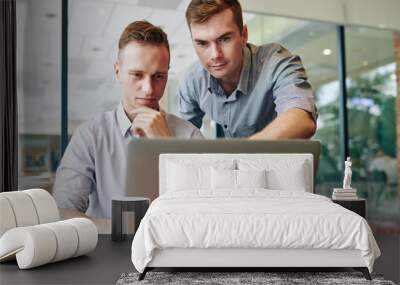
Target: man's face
(142,70)
(219,45)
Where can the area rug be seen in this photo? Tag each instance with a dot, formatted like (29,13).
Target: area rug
(229,278)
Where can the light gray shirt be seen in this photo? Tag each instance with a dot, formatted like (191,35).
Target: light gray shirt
(93,168)
(272,81)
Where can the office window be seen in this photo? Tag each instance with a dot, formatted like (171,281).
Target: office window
(372,119)
(38,91)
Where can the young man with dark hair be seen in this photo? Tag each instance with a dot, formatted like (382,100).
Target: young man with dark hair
(93,168)
(258,92)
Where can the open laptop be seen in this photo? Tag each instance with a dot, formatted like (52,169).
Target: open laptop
(142,177)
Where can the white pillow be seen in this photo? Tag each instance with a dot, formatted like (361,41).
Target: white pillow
(281,174)
(251,178)
(293,180)
(237,179)
(223,179)
(193,175)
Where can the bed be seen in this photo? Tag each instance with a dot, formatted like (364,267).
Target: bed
(247,210)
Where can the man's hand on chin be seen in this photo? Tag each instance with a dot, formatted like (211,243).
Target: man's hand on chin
(149,123)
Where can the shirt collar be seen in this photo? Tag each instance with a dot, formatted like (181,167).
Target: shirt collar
(213,85)
(245,73)
(123,120)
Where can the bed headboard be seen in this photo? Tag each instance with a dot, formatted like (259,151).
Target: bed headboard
(142,179)
(264,159)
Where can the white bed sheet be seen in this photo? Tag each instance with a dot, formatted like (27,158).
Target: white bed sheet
(251,218)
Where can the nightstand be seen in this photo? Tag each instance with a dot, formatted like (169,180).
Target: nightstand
(119,205)
(357,206)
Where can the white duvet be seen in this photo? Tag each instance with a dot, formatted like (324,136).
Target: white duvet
(250,219)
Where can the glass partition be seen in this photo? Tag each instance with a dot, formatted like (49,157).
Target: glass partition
(372,120)
(38,91)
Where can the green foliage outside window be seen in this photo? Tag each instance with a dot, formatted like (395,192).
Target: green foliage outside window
(372,127)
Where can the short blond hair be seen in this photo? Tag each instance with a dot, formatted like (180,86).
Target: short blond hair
(142,32)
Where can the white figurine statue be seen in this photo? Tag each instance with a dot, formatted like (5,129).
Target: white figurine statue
(347,174)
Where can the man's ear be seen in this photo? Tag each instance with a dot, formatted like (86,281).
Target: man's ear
(245,34)
(117,70)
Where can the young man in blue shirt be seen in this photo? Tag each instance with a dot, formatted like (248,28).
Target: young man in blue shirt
(256,92)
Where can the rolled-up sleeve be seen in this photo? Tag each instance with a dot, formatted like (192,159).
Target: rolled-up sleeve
(75,177)
(188,104)
(291,87)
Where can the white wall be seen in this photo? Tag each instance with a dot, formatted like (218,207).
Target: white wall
(372,13)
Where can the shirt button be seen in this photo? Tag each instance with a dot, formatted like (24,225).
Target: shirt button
(225,126)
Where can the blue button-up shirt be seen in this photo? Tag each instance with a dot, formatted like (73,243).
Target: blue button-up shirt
(272,81)
(94,166)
